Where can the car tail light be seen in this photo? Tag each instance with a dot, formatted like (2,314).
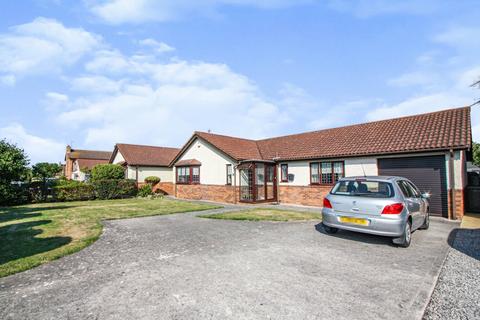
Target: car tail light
(395,208)
(327,203)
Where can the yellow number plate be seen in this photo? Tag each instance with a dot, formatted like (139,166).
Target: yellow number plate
(363,222)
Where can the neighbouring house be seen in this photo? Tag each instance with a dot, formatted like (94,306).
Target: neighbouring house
(430,149)
(142,161)
(79,162)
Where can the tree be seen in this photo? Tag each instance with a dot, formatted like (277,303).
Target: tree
(13,165)
(45,171)
(476,153)
(107,172)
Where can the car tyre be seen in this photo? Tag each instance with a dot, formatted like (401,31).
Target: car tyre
(426,223)
(406,238)
(329,230)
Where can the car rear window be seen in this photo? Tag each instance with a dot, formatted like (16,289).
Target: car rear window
(364,188)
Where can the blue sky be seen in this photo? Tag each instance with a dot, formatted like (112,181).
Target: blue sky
(94,73)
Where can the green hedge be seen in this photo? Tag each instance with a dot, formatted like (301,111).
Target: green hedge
(114,189)
(145,191)
(74,192)
(153,180)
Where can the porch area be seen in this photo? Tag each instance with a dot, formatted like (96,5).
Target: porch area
(257,182)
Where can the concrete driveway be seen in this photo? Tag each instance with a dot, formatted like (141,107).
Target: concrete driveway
(184,267)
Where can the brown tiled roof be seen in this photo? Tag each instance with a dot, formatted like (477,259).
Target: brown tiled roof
(188,162)
(237,148)
(139,155)
(90,163)
(439,130)
(88,154)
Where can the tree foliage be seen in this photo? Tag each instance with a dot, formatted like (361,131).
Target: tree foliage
(476,153)
(45,170)
(107,172)
(13,167)
(13,162)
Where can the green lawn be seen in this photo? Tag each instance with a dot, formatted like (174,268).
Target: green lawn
(34,234)
(266,214)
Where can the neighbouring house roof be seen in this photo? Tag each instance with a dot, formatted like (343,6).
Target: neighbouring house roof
(140,155)
(89,163)
(188,162)
(87,154)
(441,130)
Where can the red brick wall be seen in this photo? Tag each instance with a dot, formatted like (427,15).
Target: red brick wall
(304,195)
(459,197)
(217,193)
(165,187)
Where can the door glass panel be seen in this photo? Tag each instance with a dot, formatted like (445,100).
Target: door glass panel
(270,182)
(246,186)
(260,181)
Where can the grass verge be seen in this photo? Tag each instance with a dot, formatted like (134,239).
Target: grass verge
(31,235)
(265,215)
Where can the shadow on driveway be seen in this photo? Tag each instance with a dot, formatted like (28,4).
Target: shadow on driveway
(357,236)
(467,241)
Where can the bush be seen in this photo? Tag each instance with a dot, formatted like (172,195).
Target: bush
(114,189)
(74,192)
(145,191)
(153,180)
(13,194)
(107,172)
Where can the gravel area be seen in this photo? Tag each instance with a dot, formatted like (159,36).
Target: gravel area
(457,293)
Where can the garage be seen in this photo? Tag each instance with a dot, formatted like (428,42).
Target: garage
(427,173)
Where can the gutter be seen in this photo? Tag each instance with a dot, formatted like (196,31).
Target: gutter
(451,176)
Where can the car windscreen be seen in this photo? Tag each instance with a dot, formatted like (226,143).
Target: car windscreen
(364,188)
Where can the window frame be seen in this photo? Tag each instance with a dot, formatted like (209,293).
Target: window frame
(190,175)
(282,178)
(319,172)
(228,175)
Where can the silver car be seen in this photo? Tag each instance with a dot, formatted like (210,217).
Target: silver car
(385,206)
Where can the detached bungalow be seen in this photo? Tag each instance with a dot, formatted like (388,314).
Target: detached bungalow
(430,149)
(76,161)
(143,161)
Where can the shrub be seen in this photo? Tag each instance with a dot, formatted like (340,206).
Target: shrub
(13,168)
(114,189)
(74,192)
(145,191)
(107,172)
(13,194)
(153,180)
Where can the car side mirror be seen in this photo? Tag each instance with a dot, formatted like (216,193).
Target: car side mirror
(426,195)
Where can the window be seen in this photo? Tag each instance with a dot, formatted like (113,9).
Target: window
(229,174)
(188,175)
(326,172)
(364,188)
(314,177)
(195,174)
(407,189)
(284,172)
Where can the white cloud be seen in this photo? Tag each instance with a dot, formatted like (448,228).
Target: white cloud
(160,47)
(39,149)
(369,8)
(417,78)
(164,102)
(8,80)
(42,46)
(139,11)
(55,96)
(460,37)
(95,84)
